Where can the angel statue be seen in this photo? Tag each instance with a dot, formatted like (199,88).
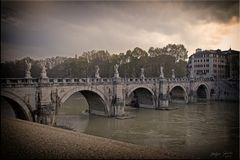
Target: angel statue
(161,72)
(43,72)
(142,73)
(173,73)
(97,72)
(28,72)
(116,73)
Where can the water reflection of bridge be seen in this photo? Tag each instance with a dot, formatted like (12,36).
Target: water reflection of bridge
(39,99)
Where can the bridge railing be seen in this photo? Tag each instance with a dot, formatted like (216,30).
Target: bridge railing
(12,82)
(183,79)
(140,80)
(73,81)
(203,79)
(79,80)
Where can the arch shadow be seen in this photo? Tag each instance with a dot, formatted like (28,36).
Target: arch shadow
(19,107)
(202,92)
(178,94)
(95,99)
(140,97)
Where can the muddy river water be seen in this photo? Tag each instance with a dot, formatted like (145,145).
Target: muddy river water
(202,130)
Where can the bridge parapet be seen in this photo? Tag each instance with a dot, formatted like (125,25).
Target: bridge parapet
(141,80)
(13,82)
(95,80)
(202,79)
(178,79)
(18,82)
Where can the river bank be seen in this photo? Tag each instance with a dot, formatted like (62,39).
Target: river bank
(27,140)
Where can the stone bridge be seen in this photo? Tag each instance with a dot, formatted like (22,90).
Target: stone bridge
(38,99)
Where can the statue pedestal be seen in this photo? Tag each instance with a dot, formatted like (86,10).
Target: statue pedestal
(161,76)
(28,74)
(142,76)
(116,75)
(44,75)
(97,75)
(116,80)
(44,80)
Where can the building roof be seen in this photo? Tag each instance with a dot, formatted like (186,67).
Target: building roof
(230,51)
(218,51)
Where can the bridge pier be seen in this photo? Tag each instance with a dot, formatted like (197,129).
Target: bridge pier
(163,96)
(48,102)
(192,97)
(163,101)
(45,115)
(118,99)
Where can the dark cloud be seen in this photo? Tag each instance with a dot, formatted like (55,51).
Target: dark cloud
(152,16)
(10,16)
(220,11)
(68,27)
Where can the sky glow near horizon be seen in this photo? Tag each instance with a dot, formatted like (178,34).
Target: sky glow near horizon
(47,29)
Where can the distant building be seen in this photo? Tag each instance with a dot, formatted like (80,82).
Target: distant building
(214,64)
(232,63)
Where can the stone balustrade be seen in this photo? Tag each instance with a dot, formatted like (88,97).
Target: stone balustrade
(69,81)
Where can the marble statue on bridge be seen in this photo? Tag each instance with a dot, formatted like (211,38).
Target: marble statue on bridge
(161,72)
(43,72)
(28,72)
(173,73)
(142,73)
(116,73)
(97,72)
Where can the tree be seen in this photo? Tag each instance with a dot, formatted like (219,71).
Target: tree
(151,52)
(170,56)
(178,51)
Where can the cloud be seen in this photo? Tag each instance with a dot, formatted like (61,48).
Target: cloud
(212,35)
(219,11)
(11,52)
(9,16)
(60,28)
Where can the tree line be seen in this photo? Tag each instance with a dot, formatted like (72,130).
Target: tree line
(172,56)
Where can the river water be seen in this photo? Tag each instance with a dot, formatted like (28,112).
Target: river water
(200,130)
(197,130)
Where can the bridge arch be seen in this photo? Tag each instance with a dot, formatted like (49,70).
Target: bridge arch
(141,96)
(95,99)
(178,94)
(18,105)
(202,91)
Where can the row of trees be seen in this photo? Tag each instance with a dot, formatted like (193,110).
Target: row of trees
(170,57)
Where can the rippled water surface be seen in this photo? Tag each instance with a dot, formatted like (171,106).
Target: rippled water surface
(201,130)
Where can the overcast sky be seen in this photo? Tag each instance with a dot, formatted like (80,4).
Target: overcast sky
(46,29)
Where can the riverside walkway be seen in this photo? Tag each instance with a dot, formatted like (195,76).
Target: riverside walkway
(27,140)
